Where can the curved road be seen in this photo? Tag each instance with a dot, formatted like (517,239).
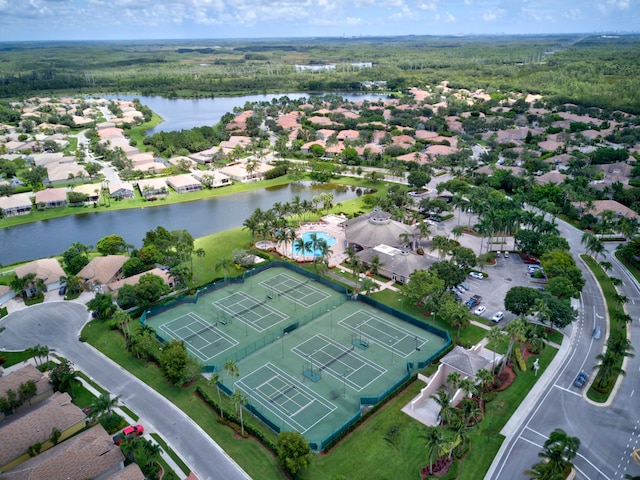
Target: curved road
(608,433)
(58,324)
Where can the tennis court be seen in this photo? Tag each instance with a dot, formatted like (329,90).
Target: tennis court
(303,293)
(286,397)
(202,339)
(367,327)
(257,314)
(340,361)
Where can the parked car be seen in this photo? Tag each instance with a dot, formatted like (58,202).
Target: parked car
(463,286)
(534,268)
(506,254)
(531,261)
(135,430)
(476,275)
(477,298)
(580,380)
(472,302)
(480,310)
(62,290)
(497,317)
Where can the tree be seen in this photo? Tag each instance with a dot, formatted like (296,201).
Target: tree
(173,361)
(239,399)
(104,403)
(425,288)
(231,367)
(111,245)
(449,272)
(102,304)
(76,257)
(294,452)
(418,179)
(149,289)
(63,377)
(215,380)
(557,453)
(494,336)
(375,265)
(35,175)
(442,398)
(434,443)
(224,264)
(520,300)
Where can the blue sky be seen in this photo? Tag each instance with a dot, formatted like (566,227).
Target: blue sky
(185,19)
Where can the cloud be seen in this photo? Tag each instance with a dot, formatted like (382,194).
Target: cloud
(428,6)
(493,15)
(573,14)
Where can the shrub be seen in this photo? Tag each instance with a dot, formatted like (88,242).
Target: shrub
(520,361)
(112,422)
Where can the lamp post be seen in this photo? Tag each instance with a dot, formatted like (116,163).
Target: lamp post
(401,303)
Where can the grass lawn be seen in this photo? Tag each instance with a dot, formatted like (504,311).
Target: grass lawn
(13,358)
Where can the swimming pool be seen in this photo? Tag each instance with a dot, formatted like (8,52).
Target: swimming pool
(306,237)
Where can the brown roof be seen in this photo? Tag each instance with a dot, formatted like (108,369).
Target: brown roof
(19,431)
(87,455)
(103,269)
(130,472)
(51,195)
(133,280)
(47,269)
(13,380)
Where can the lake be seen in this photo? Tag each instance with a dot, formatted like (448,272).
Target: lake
(184,114)
(200,217)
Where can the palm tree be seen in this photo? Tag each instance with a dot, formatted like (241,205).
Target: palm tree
(486,378)
(607,366)
(215,380)
(239,399)
(453,380)
(517,330)
(434,443)
(469,387)
(231,368)
(460,433)
(494,336)
(470,411)
(557,452)
(620,346)
(442,398)
(375,265)
(224,264)
(105,403)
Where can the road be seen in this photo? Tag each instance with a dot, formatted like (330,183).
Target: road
(57,324)
(608,433)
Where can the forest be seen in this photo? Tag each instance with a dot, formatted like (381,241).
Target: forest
(589,70)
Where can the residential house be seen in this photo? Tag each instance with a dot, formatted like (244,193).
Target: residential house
(208,156)
(153,188)
(113,287)
(616,172)
(59,173)
(35,425)
(489,169)
(211,178)
(51,198)
(6,294)
(18,204)
(600,206)
(551,177)
(121,190)
(130,472)
(102,270)
(184,183)
(91,190)
(90,454)
(239,173)
(48,270)
(13,380)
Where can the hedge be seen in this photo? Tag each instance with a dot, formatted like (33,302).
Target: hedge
(521,363)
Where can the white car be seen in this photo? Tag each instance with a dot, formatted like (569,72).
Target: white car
(480,310)
(476,275)
(506,254)
(497,317)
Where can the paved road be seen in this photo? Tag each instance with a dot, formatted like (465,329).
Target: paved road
(608,433)
(57,324)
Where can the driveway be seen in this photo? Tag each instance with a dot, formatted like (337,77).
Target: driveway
(58,324)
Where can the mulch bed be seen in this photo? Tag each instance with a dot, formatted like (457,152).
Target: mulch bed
(440,468)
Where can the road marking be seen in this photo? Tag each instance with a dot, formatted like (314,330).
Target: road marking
(568,391)
(632,392)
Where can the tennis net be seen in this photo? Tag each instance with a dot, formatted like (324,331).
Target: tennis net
(282,393)
(294,287)
(255,305)
(335,359)
(208,328)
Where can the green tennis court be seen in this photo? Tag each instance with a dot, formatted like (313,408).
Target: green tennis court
(368,327)
(310,358)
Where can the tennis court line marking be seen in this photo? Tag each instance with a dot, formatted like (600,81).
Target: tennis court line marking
(197,319)
(419,341)
(364,362)
(277,409)
(219,304)
(292,286)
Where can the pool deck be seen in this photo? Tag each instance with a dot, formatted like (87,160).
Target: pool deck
(337,250)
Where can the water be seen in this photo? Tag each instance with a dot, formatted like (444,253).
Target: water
(184,114)
(306,237)
(201,217)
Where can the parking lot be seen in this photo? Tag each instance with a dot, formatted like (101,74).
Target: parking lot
(507,273)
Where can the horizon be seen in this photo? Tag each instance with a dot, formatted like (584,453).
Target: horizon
(148,20)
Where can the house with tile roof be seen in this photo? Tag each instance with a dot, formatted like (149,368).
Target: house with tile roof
(130,472)
(34,425)
(211,178)
(121,190)
(90,454)
(27,373)
(17,204)
(184,183)
(51,198)
(153,188)
(551,177)
(113,287)
(102,270)
(46,269)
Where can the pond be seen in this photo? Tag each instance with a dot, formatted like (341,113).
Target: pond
(201,217)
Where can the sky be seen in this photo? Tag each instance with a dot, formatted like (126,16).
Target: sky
(220,19)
